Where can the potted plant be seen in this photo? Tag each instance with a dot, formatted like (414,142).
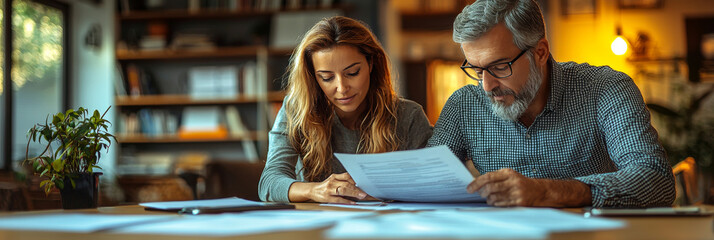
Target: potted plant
(74,141)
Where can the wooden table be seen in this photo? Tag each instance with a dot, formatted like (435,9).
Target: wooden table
(637,227)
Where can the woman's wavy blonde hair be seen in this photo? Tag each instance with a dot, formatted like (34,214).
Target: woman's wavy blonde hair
(310,113)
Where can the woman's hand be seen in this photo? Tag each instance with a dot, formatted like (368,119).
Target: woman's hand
(338,188)
(335,188)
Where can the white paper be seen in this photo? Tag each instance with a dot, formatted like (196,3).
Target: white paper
(424,175)
(83,223)
(252,222)
(482,223)
(211,203)
(409,206)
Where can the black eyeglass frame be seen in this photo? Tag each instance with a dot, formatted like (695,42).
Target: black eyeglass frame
(510,68)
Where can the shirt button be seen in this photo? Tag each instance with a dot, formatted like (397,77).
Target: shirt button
(528,136)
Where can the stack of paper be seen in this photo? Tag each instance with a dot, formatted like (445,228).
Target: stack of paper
(487,223)
(425,175)
(245,223)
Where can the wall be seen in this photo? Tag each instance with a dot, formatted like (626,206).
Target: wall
(92,70)
(587,38)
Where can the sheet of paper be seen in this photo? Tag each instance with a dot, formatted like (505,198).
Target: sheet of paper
(222,202)
(253,222)
(524,223)
(83,223)
(410,206)
(424,175)
(421,225)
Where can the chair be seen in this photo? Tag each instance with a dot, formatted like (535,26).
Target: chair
(14,197)
(693,185)
(233,178)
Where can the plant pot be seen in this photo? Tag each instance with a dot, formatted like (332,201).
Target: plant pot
(85,193)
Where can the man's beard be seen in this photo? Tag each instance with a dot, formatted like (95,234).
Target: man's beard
(521,100)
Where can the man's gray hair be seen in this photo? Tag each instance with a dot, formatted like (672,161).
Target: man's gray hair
(522,17)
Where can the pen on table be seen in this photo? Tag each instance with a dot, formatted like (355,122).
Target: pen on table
(208,210)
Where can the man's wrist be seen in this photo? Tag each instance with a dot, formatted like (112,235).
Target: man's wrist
(566,193)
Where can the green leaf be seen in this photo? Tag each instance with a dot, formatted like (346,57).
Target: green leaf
(58,165)
(60,184)
(56,119)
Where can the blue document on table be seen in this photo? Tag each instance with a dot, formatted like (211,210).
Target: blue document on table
(432,174)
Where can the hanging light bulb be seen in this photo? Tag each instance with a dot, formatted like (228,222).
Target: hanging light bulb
(619,45)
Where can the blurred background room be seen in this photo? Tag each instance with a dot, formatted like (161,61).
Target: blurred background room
(194,85)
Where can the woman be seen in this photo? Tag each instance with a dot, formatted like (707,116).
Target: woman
(339,99)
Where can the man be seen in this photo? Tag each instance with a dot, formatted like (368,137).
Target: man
(545,133)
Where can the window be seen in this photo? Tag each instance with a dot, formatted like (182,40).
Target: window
(37,80)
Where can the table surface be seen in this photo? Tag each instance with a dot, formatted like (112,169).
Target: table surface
(697,227)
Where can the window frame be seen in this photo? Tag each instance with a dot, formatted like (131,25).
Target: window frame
(8,95)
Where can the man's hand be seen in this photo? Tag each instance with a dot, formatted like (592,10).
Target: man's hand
(507,187)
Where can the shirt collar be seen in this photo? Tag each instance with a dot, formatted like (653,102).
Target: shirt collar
(556,83)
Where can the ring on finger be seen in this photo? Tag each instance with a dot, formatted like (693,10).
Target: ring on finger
(337,191)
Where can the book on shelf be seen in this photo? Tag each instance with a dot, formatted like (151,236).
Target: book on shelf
(192,42)
(293,4)
(140,81)
(326,3)
(213,82)
(219,132)
(149,123)
(119,87)
(146,163)
(235,124)
(132,78)
(249,79)
(202,123)
(237,129)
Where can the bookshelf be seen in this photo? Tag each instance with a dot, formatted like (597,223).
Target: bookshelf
(428,52)
(167,99)
(182,69)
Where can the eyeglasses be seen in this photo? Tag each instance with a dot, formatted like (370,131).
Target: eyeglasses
(498,70)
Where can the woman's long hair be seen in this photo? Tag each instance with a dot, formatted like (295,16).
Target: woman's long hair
(310,113)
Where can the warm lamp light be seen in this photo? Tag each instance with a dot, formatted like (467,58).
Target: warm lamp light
(619,45)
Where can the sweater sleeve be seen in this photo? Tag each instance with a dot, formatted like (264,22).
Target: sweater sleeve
(279,172)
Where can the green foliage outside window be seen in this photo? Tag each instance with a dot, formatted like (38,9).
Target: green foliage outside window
(37,43)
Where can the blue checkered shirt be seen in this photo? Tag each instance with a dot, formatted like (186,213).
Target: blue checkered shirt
(595,128)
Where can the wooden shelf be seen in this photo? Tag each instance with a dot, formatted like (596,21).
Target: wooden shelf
(164,100)
(140,138)
(208,14)
(421,22)
(220,52)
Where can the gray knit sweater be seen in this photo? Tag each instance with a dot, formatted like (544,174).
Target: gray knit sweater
(283,164)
